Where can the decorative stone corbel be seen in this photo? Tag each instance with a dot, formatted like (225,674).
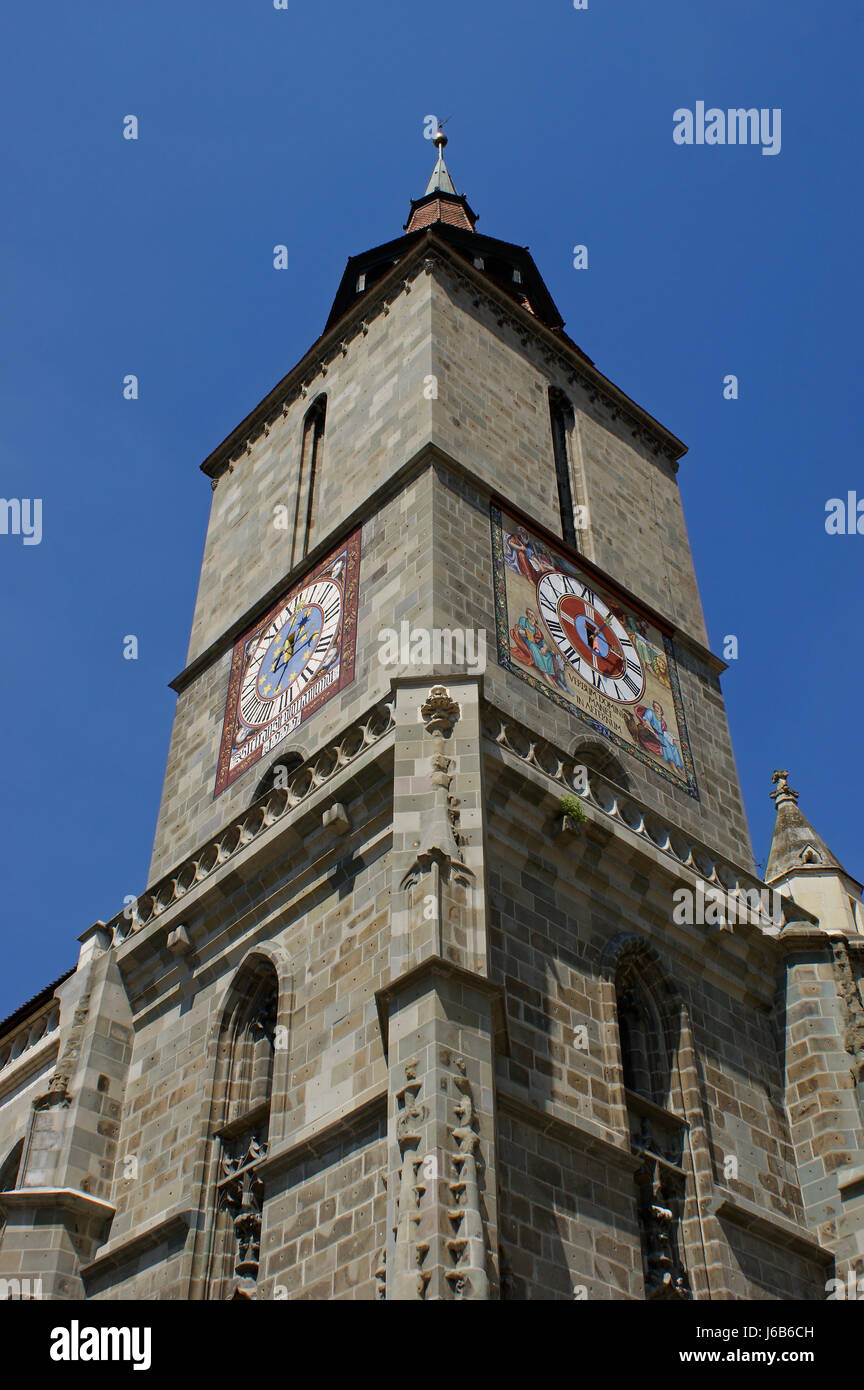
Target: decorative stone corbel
(178,941)
(336,818)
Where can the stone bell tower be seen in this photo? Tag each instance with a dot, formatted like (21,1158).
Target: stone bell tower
(453,978)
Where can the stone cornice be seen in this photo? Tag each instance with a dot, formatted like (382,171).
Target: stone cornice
(430,252)
(119,1252)
(444,969)
(570,1127)
(684,856)
(71,1199)
(427,456)
(320,1136)
(26,1067)
(803,936)
(389,487)
(779,1230)
(340,753)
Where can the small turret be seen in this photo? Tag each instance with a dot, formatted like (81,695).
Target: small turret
(801,865)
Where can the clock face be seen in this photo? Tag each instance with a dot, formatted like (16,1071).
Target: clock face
(294,659)
(596,645)
(289,653)
(577,639)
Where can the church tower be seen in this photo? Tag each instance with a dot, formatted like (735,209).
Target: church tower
(453,977)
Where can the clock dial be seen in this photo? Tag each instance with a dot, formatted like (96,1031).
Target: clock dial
(595,644)
(290,652)
(577,639)
(293,660)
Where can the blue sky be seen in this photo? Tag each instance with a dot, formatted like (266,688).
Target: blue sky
(305,127)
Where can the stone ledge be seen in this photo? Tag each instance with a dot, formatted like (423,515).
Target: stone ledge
(39,1056)
(445,969)
(803,938)
(579,1132)
(317,1139)
(68,1198)
(779,1230)
(852,1176)
(272,817)
(120,1251)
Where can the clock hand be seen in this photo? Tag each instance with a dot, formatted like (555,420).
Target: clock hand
(604,622)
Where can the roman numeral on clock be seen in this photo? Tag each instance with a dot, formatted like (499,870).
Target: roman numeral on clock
(255,711)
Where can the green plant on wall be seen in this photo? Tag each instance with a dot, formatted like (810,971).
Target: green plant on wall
(572,807)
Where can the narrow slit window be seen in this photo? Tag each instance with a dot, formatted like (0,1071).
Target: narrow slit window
(561,416)
(307,483)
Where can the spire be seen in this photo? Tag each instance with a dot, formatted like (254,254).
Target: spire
(795,847)
(440,182)
(440,202)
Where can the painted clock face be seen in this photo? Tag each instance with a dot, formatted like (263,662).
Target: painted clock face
(295,658)
(590,637)
(289,653)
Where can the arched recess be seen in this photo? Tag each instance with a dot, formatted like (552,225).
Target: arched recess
(248,1092)
(597,756)
(650,1017)
(648,1008)
(280,768)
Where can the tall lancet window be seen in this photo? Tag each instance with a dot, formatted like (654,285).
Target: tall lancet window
(311,455)
(244,1083)
(561,415)
(644,1052)
(648,1036)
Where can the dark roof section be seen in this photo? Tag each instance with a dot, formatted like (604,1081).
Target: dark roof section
(511,268)
(31,1005)
(348,296)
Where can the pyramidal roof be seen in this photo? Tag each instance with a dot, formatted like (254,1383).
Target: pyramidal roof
(795,847)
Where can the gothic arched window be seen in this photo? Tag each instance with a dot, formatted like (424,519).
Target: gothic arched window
(311,454)
(648,1032)
(244,1084)
(644,1050)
